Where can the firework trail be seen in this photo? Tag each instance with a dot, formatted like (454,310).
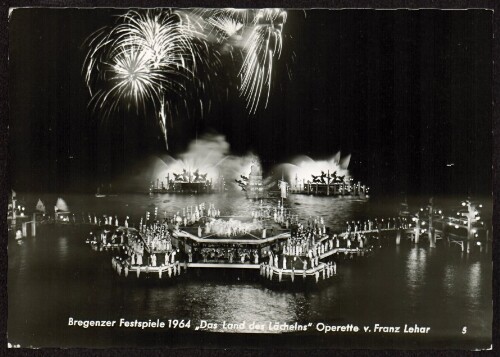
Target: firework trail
(264,43)
(163,121)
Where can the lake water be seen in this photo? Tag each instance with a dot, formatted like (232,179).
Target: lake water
(56,275)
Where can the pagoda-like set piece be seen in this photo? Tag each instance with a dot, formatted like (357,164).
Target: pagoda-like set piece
(255,188)
(188,182)
(253,184)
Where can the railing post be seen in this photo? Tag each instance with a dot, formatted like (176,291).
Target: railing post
(417,231)
(432,238)
(33,225)
(25,230)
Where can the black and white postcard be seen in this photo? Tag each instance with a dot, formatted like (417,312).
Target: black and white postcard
(265,177)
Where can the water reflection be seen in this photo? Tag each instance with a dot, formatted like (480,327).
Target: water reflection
(474,280)
(415,274)
(335,211)
(62,246)
(449,279)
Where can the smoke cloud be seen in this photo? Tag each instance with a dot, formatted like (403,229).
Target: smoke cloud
(211,155)
(303,167)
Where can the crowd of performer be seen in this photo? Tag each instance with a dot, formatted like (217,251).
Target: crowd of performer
(229,255)
(378,224)
(156,253)
(157,237)
(108,237)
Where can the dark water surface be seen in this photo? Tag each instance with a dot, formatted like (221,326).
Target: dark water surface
(55,276)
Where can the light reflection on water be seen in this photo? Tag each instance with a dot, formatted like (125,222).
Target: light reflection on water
(244,303)
(56,275)
(63,248)
(449,279)
(415,268)
(474,281)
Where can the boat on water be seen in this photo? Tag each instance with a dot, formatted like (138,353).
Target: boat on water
(103,192)
(99,194)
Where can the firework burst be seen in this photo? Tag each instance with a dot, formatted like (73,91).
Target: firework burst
(134,77)
(227,26)
(144,61)
(143,57)
(256,34)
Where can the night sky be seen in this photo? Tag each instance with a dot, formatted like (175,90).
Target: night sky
(407,93)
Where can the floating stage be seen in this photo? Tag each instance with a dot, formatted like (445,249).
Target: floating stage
(269,249)
(335,189)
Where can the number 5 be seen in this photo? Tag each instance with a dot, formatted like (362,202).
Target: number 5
(464,330)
